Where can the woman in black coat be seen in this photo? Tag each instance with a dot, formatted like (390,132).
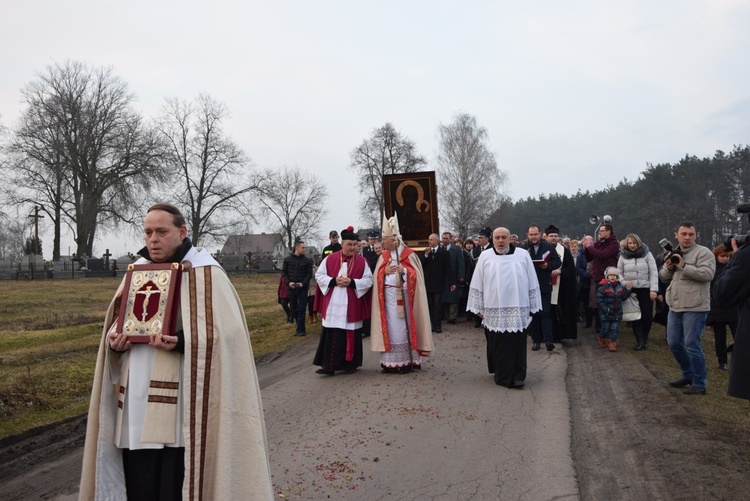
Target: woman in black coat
(721,316)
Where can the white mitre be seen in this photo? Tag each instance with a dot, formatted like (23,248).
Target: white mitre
(390,227)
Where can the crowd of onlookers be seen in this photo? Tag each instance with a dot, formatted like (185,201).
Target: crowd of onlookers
(609,281)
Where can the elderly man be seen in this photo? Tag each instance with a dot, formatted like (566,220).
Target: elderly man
(159,422)
(504,292)
(400,316)
(344,281)
(438,275)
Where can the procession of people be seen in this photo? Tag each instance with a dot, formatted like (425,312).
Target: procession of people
(522,293)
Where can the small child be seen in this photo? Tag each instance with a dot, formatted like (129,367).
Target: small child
(609,298)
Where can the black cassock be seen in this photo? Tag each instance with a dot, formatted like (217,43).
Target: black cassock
(564,314)
(331,352)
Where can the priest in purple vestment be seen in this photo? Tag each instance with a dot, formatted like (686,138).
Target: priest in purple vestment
(344,281)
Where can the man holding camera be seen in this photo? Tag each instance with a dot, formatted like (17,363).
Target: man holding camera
(688,270)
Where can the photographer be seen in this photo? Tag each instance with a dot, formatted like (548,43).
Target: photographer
(688,271)
(733,289)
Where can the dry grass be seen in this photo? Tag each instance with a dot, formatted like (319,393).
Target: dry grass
(50,332)
(717,408)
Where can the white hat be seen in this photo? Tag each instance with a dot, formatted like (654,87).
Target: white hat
(390,227)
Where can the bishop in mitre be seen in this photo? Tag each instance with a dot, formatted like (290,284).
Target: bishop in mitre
(401,329)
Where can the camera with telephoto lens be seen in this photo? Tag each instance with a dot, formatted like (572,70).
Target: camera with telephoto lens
(670,251)
(741,240)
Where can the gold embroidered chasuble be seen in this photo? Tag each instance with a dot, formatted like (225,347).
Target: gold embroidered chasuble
(223,424)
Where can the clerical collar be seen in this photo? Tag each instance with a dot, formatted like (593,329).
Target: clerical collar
(178,256)
(509,250)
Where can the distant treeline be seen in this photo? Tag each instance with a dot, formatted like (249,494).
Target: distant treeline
(705,191)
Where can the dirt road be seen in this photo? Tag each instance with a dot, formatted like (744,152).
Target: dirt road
(589,425)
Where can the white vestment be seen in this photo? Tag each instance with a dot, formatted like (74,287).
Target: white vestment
(335,315)
(505,290)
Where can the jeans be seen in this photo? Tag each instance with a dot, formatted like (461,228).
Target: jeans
(684,330)
(611,327)
(298,303)
(541,321)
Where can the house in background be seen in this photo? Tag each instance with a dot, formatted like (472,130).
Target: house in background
(258,247)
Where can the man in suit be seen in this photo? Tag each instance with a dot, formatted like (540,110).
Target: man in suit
(483,243)
(545,259)
(438,275)
(451,297)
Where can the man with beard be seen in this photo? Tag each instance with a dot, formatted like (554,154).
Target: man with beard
(344,281)
(545,259)
(400,316)
(564,317)
(504,293)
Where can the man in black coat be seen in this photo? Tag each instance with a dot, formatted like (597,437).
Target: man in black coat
(545,260)
(451,296)
(438,275)
(297,272)
(564,317)
(732,288)
(334,246)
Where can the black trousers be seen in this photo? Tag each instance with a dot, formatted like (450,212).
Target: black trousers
(642,327)
(506,356)
(154,474)
(720,339)
(297,305)
(435,305)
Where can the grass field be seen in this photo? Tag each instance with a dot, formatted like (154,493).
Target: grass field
(50,332)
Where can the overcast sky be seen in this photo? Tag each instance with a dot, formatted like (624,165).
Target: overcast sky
(574,95)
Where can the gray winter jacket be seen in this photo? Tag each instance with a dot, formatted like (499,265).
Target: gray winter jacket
(639,267)
(690,288)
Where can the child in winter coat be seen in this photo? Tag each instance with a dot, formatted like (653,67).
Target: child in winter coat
(609,298)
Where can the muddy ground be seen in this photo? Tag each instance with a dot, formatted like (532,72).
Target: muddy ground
(632,437)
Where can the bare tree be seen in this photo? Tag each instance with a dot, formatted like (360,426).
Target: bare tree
(80,133)
(471,186)
(12,238)
(385,152)
(295,200)
(214,176)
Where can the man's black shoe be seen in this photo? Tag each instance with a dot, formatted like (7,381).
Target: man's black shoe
(518,385)
(350,371)
(550,346)
(438,330)
(681,383)
(535,347)
(638,346)
(323,371)
(695,390)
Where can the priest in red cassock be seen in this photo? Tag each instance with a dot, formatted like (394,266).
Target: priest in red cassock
(344,281)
